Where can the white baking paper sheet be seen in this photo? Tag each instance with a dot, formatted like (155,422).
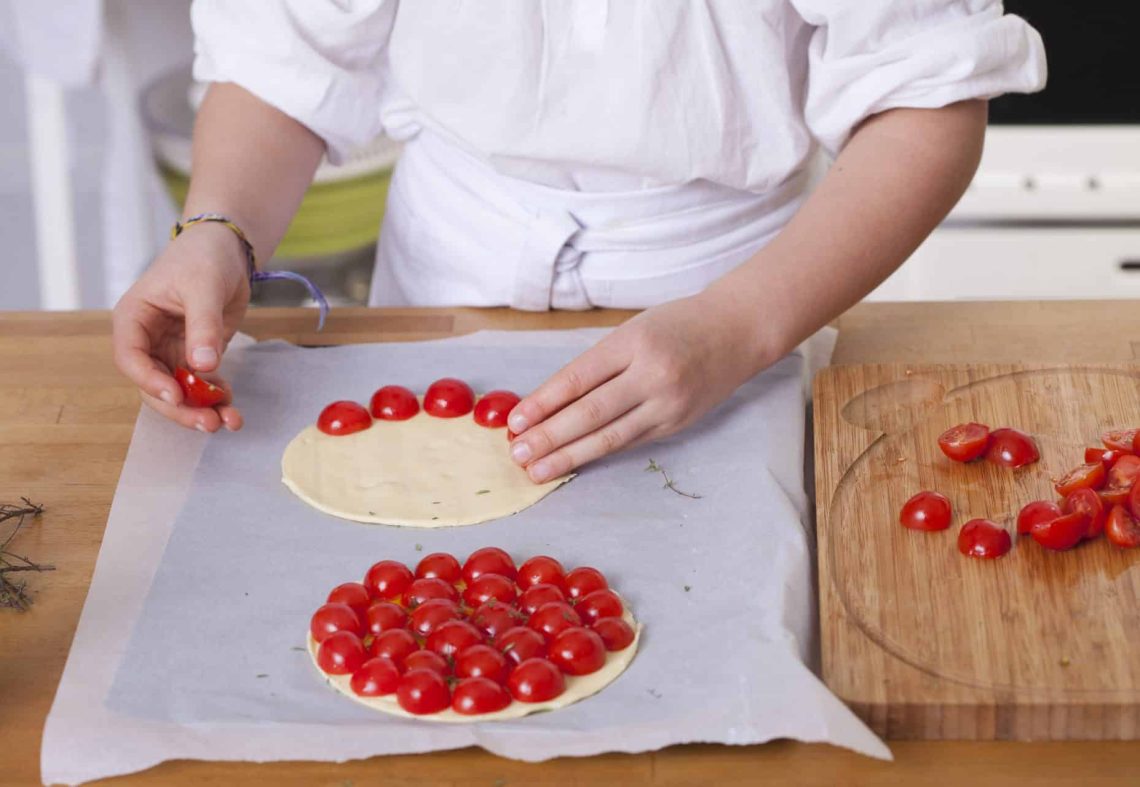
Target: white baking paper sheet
(222,593)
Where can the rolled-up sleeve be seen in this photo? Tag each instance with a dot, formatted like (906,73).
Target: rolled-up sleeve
(873,55)
(319,61)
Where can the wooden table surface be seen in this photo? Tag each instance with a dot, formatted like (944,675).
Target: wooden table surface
(65,422)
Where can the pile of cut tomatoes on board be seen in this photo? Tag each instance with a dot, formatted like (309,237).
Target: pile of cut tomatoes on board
(1100,496)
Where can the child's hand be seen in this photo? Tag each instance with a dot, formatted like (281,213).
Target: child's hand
(182,312)
(649,378)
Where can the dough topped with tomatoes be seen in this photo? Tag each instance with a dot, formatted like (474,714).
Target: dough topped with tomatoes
(437,461)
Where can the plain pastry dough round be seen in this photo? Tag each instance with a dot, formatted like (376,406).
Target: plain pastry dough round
(422,472)
(578,687)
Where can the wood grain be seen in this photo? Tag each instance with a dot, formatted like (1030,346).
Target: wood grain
(924,643)
(66,396)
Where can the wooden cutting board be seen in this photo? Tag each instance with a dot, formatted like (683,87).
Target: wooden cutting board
(924,643)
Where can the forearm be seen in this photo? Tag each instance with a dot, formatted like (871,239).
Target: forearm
(899,175)
(252,163)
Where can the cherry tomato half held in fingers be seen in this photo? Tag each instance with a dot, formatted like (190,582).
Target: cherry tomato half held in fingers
(965,442)
(197,391)
(1064,532)
(449,398)
(1120,439)
(479,695)
(393,403)
(492,409)
(1037,511)
(926,511)
(536,680)
(423,691)
(984,539)
(1121,528)
(1011,448)
(1087,502)
(343,418)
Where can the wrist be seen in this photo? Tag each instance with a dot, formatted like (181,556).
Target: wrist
(756,338)
(215,244)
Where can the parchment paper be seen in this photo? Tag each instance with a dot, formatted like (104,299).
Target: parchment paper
(212,664)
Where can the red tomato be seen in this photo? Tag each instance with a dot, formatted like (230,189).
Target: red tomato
(1134,500)
(1087,502)
(487,587)
(388,579)
(479,695)
(341,653)
(481,661)
(541,570)
(331,618)
(423,691)
(584,580)
(1106,456)
(354,594)
(384,615)
(488,560)
(1011,448)
(198,391)
(422,590)
(965,442)
(1090,476)
(394,644)
(552,618)
(578,651)
(375,678)
(519,644)
(494,618)
(536,680)
(1037,511)
(492,410)
(441,566)
(341,418)
(1122,529)
(452,637)
(615,633)
(448,398)
(537,595)
(1121,478)
(393,403)
(599,604)
(926,511)
(1061,533)
(1120,439)
(425,659)
(982,538)
(432,614)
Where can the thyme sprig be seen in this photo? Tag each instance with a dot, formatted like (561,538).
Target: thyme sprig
(14,594)
(669,484)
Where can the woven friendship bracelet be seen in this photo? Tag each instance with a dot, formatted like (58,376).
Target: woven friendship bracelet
(251,262)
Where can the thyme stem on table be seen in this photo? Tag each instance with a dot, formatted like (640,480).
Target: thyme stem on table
(15,595)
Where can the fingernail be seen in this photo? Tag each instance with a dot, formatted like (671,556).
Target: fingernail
(517,422)
(520,452)
(204,356)
(540,470)
(201,427)
(167,397)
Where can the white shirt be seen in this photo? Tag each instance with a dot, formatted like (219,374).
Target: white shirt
(599,97)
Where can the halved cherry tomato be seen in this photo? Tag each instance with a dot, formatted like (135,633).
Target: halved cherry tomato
(342,418)
(615,632)
(536,595)
(481,661)
(440,565)
(1064,532)
(1121,478)
(982,538)
(494,618)
(1134,500)
(1037,511)
(393,403)
(552,618)
(1090,476)
(1011,448)
(520,643)
(375,678)
(354,594)
(479,695)
(488,560)
(197,391)
(452,637)
(493,408)
(489,586)
(449,398)
(584,580)
(1087,502)
(423,691)
(341,653)
(422,590)
(1121,528)
(926,511)
(536,680)
(388,579)
(425,659)
(1106,456)
(599,604)
(1120,439)
(432,614)
(965,442)
(578,651)
(541,570)
(333,617)
(394,644)
(383,615)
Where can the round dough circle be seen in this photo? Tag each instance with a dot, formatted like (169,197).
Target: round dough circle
(422,472)
(578,687)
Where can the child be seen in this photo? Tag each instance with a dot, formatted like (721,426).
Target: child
(580,153)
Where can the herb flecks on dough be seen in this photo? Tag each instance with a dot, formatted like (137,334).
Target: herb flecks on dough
(669,484)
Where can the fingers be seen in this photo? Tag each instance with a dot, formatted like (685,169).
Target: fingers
(132,352)
(612,437)
(586,415)
(204,419)
(204,328)
(600,363)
